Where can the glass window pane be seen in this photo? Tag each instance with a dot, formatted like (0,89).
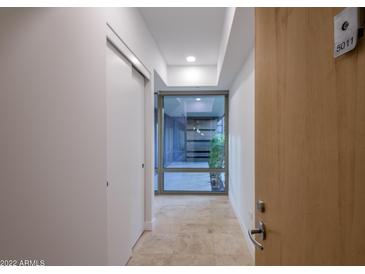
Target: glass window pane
(194,181)
(194,131)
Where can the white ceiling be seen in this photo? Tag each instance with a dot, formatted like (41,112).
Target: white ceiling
(180,32)
(239,45)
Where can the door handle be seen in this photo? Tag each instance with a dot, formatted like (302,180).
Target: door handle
(258,230)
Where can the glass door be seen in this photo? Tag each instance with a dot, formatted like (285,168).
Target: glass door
(192,143)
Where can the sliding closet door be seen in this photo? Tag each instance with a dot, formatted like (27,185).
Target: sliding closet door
(125,129)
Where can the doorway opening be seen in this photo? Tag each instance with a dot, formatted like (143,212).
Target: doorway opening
(191,144)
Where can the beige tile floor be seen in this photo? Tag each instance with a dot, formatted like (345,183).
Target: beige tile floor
(192,230)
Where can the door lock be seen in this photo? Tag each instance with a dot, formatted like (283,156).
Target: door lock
(260,230)
(260,206)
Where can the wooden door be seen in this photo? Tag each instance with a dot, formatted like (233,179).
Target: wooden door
(310,140)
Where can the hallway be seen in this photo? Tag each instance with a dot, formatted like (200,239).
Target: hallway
(182,135)
(192,230)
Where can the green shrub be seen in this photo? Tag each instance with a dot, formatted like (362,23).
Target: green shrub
(217,151)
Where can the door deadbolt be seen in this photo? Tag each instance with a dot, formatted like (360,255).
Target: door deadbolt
(260,206)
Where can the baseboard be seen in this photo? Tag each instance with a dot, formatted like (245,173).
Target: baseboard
(244,229)
(149,225)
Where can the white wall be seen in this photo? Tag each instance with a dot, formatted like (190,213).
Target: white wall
(53,129)
(227,26)
(53,141)
(241,37)
(242,146)
(178,76)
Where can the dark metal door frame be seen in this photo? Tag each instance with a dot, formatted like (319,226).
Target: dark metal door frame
(161,169)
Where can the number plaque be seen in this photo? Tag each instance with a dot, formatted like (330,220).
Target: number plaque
(346,25)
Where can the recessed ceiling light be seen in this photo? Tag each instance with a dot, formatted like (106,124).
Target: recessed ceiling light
(198,99)
(191,59)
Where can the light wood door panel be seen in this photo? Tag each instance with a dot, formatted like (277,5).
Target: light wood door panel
(310,140)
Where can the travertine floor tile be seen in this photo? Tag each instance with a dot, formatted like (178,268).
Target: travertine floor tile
(232,260)
(229,244)
(192,230)
(143,260)
(185,259)
(194,244)
(155,243)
